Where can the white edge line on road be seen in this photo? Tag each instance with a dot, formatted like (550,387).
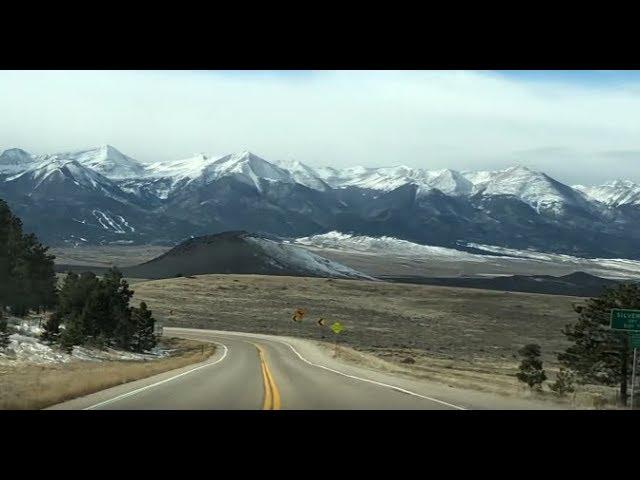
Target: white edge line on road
(409,392)
(128,394)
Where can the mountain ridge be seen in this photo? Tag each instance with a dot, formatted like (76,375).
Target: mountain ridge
(516,207)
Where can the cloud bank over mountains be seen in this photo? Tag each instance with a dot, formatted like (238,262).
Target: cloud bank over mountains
(580,133)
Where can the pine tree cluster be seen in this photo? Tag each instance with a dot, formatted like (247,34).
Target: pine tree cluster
(27,277)
(95,311)
(88,310)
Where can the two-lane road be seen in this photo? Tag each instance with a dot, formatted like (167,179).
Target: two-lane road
(252,371)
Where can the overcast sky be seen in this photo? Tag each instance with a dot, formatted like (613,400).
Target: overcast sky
(580,127)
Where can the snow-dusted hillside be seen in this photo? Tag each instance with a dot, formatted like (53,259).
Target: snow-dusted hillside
(239,252)
(287,256)
(382,247)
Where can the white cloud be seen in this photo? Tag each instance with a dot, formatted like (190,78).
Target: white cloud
(460,120)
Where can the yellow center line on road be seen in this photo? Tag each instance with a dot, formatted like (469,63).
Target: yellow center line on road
(271,392)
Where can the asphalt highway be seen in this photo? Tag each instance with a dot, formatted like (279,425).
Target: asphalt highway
(253,371)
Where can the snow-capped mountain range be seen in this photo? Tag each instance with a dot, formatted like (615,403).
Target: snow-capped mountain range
(58,194)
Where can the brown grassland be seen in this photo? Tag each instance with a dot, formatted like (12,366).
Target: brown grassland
(463,337)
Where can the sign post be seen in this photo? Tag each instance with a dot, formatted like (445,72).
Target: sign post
(337,328)
(633,375)
(635,343)
(629,320)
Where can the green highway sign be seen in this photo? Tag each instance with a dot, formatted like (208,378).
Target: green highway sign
(622,319)
(635,340)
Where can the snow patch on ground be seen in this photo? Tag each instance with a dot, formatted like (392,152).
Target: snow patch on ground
(116,223)
(390,245)
(25,346)
(624,268)
(379,246)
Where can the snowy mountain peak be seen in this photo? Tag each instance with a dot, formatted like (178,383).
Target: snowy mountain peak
(303,174)
(105,159)
(615,193)
(62,170)
(16,155)
(246,162)
(13,160)
(449,182)
(384,178)
(190,167)
(246,167)
(520,169)
(620,183)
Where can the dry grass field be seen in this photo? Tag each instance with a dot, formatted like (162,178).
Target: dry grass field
(385,318)
(462,337)
(30,386)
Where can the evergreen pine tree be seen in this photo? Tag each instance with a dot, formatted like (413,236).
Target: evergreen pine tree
(73,334)
(599,354)
(51,328)
(119,294)
(71,309)
(10,236)
(531,371)
(143,336)
(27,277)
(40,274)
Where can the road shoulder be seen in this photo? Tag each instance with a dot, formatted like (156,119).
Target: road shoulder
(212,356)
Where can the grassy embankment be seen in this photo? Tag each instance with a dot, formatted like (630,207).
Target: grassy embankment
(31,386)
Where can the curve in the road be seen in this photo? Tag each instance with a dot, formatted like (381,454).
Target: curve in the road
(269,377)
(253,363)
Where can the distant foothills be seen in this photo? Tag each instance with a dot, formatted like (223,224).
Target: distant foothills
(102,196)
